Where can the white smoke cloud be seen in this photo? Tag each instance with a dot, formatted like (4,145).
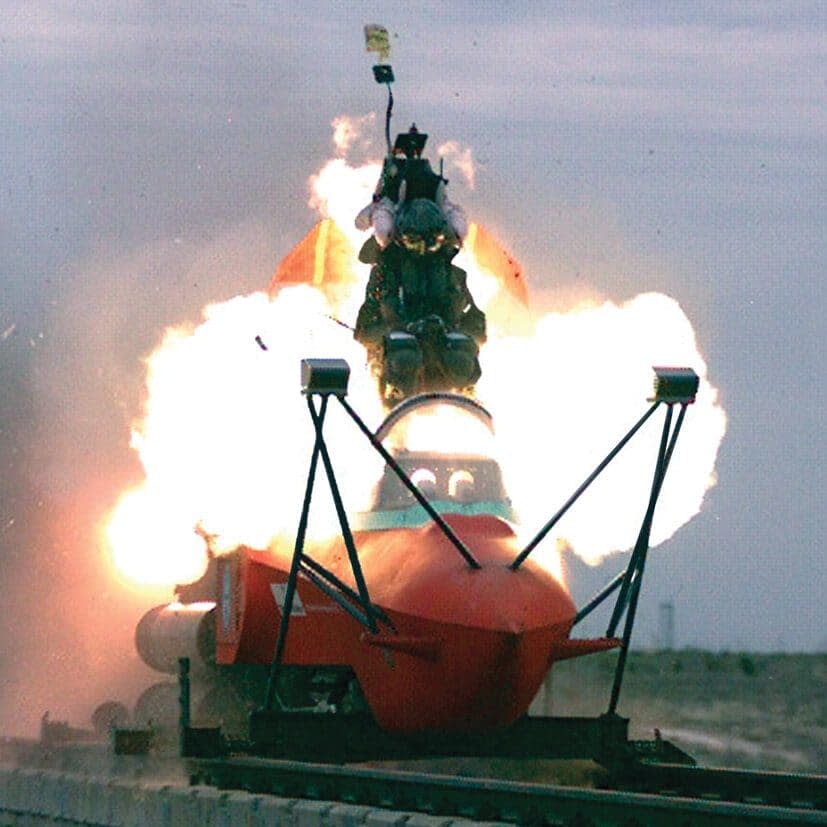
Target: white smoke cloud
(564,397)
(461,159)
(226,438)
(353,133)
(339,191)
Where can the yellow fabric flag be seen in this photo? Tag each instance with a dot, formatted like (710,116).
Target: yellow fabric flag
(377,40)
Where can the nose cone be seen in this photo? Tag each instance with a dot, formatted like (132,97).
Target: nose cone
(419,572)
(493,629)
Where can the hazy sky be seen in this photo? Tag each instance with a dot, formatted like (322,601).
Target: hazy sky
(153,159)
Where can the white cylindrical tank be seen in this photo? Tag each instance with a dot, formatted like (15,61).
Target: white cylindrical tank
(177,630)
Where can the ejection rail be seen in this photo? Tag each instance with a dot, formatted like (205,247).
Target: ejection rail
(488,800)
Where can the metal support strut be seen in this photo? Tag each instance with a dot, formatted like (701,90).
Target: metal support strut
(518,561)
(183,703)
(672,385)
(347,534)
(632,580)
(329,377)
(406,481)
(325,378)
(363,610)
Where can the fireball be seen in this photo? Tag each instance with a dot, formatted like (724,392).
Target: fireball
(225,438)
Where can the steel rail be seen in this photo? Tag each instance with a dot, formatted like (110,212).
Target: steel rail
(769,788)
(488,799)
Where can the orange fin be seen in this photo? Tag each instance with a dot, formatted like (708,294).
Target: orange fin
(324,257)
(490,254)
(575,647)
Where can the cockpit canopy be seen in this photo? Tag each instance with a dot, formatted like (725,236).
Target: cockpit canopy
(457,474)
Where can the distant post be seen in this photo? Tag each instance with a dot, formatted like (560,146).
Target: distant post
(666,625)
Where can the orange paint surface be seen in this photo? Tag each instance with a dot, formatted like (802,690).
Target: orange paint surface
(467,649)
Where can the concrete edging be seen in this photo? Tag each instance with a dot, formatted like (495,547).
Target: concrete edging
(36,798)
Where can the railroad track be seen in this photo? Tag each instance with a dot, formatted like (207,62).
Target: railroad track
(697,801)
